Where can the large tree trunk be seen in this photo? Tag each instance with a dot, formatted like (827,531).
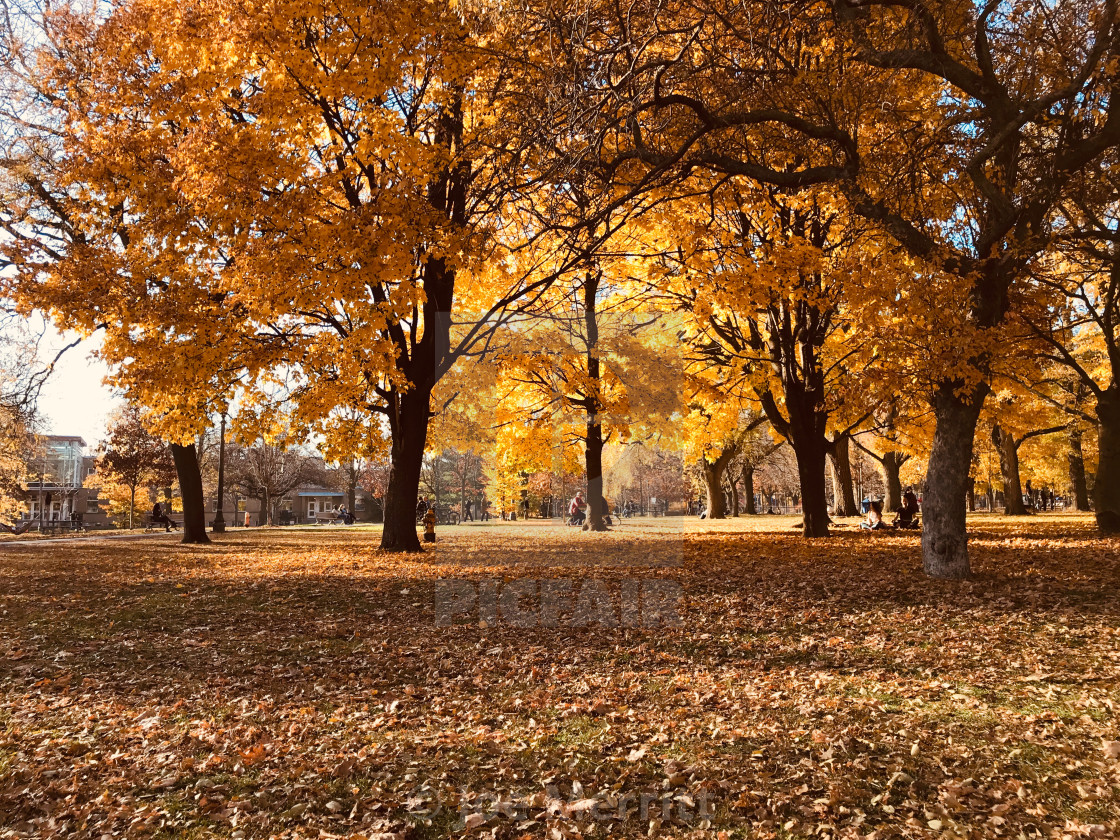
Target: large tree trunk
(805,432)
(1009,471)
(190,486)
(748,490)
(811,457)
(944,536)
(1106,489)
(422,359)
(131,505)
(713,484)
(839,456)
(1079,488)
(593,454)
(406,456)
(593,460)
(735,497)
(266,514)
(891,467)
(807,423)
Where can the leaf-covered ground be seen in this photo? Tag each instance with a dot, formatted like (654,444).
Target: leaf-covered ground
(293,683)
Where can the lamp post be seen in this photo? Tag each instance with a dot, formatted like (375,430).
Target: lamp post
(219,517)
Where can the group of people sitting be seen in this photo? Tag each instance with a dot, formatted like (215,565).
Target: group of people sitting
(343,515)
(905,517)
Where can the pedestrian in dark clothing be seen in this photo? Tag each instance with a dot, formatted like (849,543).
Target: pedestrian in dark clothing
(907,515)
(161,518)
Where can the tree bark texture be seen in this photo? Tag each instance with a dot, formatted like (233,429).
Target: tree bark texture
(944,534)
(190,487)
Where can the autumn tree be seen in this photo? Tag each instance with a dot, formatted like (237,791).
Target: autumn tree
(435,475)
(22,376)
(764,277)
(590,345)
(901,427)
(1016,419)
(777,478)
(593,368)
(133,458)
(466,475)
(269,470)
(715,462)
(643,470)
(373,477)
(313,210)
(1078,320)
(956,128)
(44,217)
(1033,133)
(754,452)
(1079,488)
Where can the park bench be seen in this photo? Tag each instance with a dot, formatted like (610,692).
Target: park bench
(329,518)
(151,525)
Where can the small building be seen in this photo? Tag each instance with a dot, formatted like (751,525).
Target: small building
(315,501)
(54,489)
(54,477)
(300,507)
(94,511)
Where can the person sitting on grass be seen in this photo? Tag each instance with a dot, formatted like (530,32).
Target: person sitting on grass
(907,515)
(874,521)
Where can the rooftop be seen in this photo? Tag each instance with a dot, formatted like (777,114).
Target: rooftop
(64,439)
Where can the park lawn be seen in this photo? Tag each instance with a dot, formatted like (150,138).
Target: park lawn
(294,683)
